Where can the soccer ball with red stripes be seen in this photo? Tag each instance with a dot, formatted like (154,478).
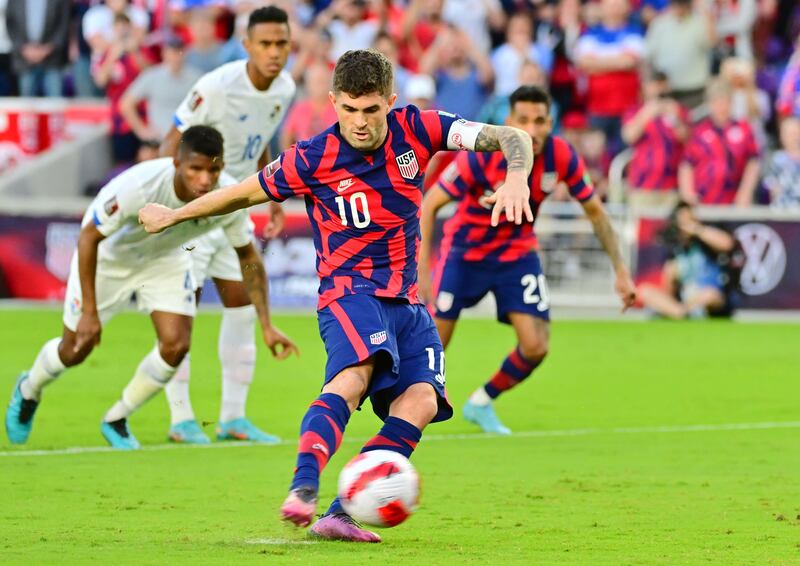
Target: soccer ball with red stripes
(379,488)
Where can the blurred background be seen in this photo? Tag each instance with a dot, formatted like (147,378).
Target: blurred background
(666,100)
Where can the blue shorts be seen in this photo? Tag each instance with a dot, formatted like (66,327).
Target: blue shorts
(401,336)
(518,286)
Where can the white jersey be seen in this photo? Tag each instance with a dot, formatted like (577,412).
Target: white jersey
(127,247)
(246,117)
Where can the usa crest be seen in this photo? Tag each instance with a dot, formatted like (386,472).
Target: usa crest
(407,163)
(549,181)
(377,338)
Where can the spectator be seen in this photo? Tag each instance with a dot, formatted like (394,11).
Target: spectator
(315,47)
(679,42)
(98,24)
(610,54)
(734,28)
(518,48)
(497,109)
(782,174)
(699,279)
(39,32)
(312,113)
(82,82)
(114,72)
(386,45)
(720,163)
(421,24)
(205,53)
(462,72)
(476,18)
(748,102)
(650,9)
(7,78)
(788,103)
(420,91)
(162,87)
(346,21)
(656,131)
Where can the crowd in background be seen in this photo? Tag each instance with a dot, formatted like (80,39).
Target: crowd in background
(705,93)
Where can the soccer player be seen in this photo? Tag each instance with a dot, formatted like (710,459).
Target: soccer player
(476,259)
(361,181)
(246,101)
(117,260)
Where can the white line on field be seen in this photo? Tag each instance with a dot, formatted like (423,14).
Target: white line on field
(278,541)
(435,437)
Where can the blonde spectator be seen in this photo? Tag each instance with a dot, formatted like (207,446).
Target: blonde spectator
(748,102)
(782,171)
(313,112)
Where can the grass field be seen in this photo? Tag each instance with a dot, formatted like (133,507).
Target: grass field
(606,466)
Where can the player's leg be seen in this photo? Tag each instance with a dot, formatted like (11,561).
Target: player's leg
(154,371)
(237,355)
(320,436)
(54,357)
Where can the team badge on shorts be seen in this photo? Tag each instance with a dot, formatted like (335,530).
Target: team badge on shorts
(444,301)
(549,181)
(407,163)
(377,338)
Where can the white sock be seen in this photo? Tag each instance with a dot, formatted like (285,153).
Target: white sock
(150,377)
(480,397)
(177,390)
(237,354)
(47,367)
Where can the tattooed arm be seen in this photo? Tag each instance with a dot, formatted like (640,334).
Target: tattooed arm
(601,225)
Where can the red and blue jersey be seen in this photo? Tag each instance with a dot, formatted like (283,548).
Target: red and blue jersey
(718,156)
(469,233)
(657,153)
(364,207)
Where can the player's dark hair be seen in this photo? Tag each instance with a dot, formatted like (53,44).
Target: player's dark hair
(363,71)
(530,93)
(267,15)
(204,140)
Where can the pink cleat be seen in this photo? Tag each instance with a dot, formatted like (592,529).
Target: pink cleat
(299,506)
(341,526)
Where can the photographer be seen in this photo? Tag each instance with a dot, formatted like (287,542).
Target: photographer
(700,279)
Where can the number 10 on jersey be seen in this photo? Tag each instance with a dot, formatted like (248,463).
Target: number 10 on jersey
(360,219)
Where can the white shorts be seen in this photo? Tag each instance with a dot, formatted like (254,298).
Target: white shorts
(213,256)
(166,285)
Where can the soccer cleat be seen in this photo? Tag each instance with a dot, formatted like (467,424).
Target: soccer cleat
(485,417)
(243,429)
(187,432)
(341,526)
(19,415)
(118,435)
(300,505)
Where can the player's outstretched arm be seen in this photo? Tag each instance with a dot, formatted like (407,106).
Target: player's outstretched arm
(255,279)
(157,218)
(514,194)
(605,233)
(435,198)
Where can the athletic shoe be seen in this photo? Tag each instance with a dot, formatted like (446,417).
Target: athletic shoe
(243,429)
(187,432)
(485,417)
(341,526)
(300,505)
(19,415)
(118,435)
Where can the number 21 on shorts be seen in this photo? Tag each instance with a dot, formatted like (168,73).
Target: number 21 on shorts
(535,291)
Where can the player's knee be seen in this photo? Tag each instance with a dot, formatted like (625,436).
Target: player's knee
(174,350)
(534,350)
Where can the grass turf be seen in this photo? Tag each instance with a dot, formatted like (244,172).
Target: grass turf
(600,491)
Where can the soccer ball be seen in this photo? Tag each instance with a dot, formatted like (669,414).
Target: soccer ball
(379,488)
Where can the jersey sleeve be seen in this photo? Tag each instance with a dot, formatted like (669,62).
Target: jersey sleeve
(457,178)
(199,106)
(693,152)
(444,130)
(572,171)
(119,201)
(283,178)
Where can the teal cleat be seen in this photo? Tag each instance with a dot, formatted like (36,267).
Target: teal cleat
(485,417)
(19,415)
(243,429)
(187,432)
(118,435)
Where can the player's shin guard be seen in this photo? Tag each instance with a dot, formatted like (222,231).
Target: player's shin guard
(396,435)
(237,354)
(514,370)
(47,367)
(177,390)
(320,436)
(150,377)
